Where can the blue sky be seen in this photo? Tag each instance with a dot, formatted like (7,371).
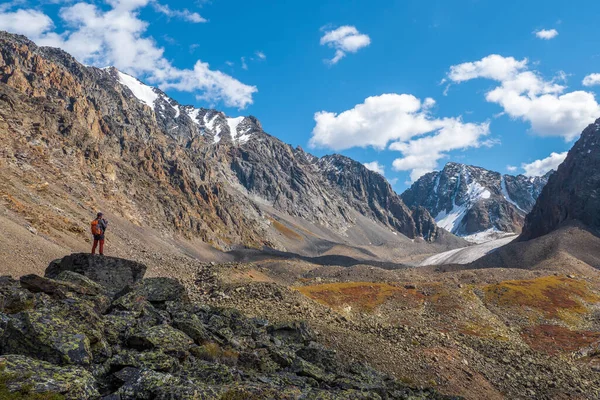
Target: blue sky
(495,112)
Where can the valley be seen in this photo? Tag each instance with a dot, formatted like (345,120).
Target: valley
(471,284)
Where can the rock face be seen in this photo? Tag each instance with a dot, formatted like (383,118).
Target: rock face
(176,168)
(468,200)
(112,273)
(572,192)
(150,342)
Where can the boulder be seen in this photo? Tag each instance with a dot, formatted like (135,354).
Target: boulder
(163,337)
(54,288)
(24,374)
(157,291)
(65,332)
(112,273)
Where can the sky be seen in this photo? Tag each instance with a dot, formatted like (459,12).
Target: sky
(401,86)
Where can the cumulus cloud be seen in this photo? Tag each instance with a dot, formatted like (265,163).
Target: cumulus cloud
(525,95)
(511,168)
(25,22)
(261,55)
(546,34)
(375,167)
(345,39)
(541,167)
(591,80)
(398,118)
(185,14)
(118,37)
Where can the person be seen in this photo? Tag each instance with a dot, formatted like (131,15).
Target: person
(99,226)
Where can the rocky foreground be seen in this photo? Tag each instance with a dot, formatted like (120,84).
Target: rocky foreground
(94,328)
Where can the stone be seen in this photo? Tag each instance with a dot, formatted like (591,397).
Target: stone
(163,337)
(112,273)
(35,376)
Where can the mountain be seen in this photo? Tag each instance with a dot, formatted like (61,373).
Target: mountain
(562,231)
(572,193)
(83,138)
(474,202)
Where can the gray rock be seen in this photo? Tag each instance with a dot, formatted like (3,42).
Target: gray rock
(112,273)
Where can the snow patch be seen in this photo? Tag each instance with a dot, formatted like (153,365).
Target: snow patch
(451,220)
(467,254)
(487,235)
(193,114)
(507,196)
(233,125)
(144,93)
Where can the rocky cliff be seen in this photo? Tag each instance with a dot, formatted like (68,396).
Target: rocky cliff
(475,202)
(191,171)
(84,332)
(572,193)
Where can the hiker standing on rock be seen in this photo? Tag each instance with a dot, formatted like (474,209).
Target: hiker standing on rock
(99,226)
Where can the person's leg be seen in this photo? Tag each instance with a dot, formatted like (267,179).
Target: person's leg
(101,247)
(94,246)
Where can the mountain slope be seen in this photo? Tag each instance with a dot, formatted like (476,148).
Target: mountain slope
(573,192)
(110,141)
(472,201)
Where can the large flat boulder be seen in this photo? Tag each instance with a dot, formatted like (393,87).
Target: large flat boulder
(113,273)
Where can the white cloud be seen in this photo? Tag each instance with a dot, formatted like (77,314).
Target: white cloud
(261,55)
(345,39)
(118,37)
(591,80)
(244,64)
(493,67)
(541,167)
(185,14)
(397,118)
(375,167)
(525,95)
(511,168)
(25,22)
(421,155)
(546,34)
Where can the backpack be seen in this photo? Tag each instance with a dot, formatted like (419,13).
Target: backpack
(96,229)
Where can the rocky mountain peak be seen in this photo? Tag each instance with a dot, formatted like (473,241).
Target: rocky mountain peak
(474,202)
(572,192)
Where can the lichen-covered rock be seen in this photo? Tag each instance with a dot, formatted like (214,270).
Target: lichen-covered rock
(163,337)
(62,332)
(55,288)
(23,373)
(112,273)
(157,291)
(82,281)
(154,360)
(167,348)
(161,290)
(13,297)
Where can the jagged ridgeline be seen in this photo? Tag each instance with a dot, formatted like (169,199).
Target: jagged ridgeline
(474,202)
(182,169)
(94,328)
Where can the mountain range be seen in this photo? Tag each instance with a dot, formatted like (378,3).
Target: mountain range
(474,202)
(132,150)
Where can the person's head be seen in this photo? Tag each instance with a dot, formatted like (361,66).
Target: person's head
(99,215)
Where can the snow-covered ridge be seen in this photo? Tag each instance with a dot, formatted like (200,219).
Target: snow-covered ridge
(451,220)
(145,94)
(211,122)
